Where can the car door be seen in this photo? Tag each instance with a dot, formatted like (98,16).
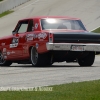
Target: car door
(27,39)
(18,39)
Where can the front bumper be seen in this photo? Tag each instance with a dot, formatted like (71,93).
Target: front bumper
(68,46)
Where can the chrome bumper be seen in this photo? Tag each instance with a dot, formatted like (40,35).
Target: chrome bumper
(68,46)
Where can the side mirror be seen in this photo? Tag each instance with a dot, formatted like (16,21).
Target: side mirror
(13,32)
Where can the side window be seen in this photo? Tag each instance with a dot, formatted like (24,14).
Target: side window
(30,27)
(77,26)
(22,27)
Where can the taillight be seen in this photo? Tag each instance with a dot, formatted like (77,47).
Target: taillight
(50,37)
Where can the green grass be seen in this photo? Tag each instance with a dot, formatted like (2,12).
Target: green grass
(1,0)
(97,30)
(73,91)
(5,13)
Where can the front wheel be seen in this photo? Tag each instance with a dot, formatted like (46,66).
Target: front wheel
(4,62)
(88,60)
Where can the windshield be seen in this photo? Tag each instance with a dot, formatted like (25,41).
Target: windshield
(61,24)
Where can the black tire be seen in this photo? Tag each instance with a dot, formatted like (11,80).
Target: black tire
(36,58)
(39,60)
(88,60)
(4,62)
(48,59)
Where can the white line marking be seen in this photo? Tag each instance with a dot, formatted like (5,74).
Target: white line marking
(94,28)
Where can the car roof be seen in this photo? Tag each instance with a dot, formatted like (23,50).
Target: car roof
(45,17)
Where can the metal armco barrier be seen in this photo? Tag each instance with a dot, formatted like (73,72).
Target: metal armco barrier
(9,4)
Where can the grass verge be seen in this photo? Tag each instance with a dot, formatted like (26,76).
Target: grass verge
(73,91)
(97,30)
(5,13)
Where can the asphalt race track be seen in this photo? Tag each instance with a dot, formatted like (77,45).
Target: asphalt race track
(27,76)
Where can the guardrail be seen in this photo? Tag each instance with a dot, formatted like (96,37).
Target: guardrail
(9,4)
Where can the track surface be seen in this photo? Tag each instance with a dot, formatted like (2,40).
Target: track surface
(25,75)
(28,76)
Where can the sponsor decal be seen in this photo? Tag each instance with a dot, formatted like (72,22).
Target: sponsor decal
(15,40)
(32,28)
(29,37)
(36,25)
(12,52)
(8,53)
(42,35)
(4,53)
(4,49)
(37,45)
(13,45)
(5,57)
(25,49)
(2,44)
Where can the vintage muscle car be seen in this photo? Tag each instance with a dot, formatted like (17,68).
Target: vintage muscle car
(43,40)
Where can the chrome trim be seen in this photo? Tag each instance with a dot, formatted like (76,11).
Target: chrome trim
(67,46)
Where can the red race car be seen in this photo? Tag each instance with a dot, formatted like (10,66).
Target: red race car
(41,41)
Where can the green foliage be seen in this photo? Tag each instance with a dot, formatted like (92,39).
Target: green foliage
(73,91)
(5,13)
(1,0)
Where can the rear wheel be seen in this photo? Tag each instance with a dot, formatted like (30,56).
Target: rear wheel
(48,59)
(36,58)
(88,60)
(40,59)
(4,62)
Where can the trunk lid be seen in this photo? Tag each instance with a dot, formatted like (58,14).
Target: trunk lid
(76,37)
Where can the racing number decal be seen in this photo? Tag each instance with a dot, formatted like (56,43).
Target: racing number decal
(14,43)
(15,40)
